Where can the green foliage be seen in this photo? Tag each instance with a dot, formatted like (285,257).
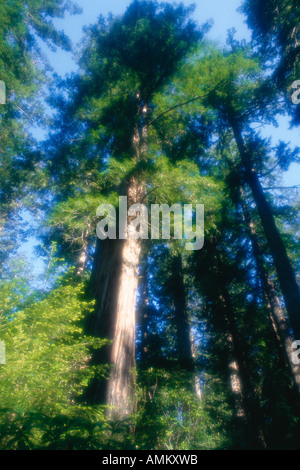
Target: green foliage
(47,369)
(171,417)
(276,36)
(23,70)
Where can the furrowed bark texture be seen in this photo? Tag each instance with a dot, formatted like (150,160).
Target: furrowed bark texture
(114,285)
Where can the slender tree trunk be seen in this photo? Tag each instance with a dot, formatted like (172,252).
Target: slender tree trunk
(278,318)
(197,382)
(184,347)
(245,401)
(235,381)
(246,405)
(286,275)
(144,313)
(82,260)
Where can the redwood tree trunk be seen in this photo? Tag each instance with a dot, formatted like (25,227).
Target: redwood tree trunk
(184,347)
(286,275)
(279,320)
(247,408)
(120,388)
(114,285)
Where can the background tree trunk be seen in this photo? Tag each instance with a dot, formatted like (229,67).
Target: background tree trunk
(184,347)
(278,318)
(246,405)
(286,276)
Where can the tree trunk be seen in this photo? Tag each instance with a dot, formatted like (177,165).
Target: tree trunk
(114,284)
(245,401)
(184,347)
(280,322)
(82,259)
(286,276)
(197,382)
(235,381)
(246,405)
(120,388)
(144,314)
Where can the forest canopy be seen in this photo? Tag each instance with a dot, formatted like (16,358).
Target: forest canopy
(124,333)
